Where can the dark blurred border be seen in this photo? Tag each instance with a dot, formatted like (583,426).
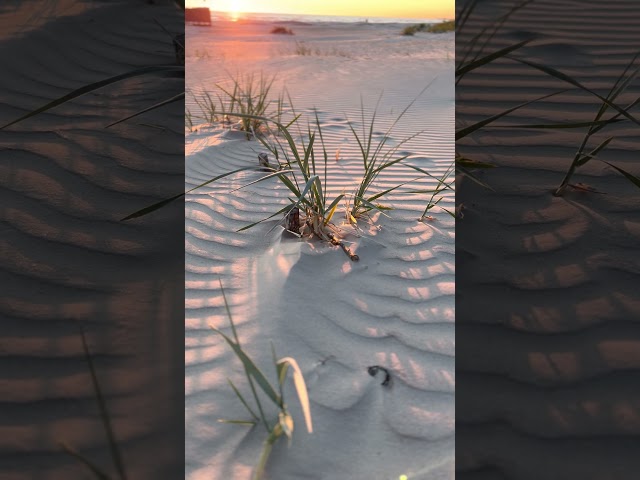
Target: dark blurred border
(68,263)
(548,332)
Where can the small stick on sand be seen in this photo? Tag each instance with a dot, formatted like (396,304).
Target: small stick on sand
(352,256)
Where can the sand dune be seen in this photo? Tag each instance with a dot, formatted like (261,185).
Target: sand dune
(393,308)
(547,301)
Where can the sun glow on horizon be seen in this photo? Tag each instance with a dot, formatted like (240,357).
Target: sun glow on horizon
(356,8)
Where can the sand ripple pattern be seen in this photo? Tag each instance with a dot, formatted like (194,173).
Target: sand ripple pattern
(393,308)
(66,258)
(565,269)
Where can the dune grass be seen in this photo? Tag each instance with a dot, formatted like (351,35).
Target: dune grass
(303,49)
(411,30)
(114,449)
(250,98)
(443,184)
(162,70)
(284,424)
(442,27)
(188,119)
(244,103)
(282,31)
(474,57)
(581,157)
(302,168)
(376,157)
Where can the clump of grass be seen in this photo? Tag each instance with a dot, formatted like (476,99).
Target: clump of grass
(209,110)
(188,120)
(250,99)
(284,424)
(443,27)
(282,31)
(411,30)
(302,169)
(308,185)
(418,27)
(201,55)
(582,157)
(474,58)
(302,48)
(443,184)
(375,159)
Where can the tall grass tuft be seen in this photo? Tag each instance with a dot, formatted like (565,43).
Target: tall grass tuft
(376,157)
(474,57)
(443,184)
(282,31)
(442,27)
(284,424)
(250,98)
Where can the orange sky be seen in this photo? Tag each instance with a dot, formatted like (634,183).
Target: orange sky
(357,8)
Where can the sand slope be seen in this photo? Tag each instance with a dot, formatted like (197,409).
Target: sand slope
(547,304)
(393,308)
(66,182)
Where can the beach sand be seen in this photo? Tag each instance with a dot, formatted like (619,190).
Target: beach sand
(393,308)
(547,312)
(66,257)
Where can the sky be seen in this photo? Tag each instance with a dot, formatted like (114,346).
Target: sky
(356,8)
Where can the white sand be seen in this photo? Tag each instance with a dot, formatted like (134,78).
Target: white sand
(66,182)
(393,308)
(555,279)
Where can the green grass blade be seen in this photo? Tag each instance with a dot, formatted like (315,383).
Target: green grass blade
(449,212)
(175,98)
(469,163)
(266,177)
(251,367)
(162,203)
(290,186)
(246,371)
(596,123)
(371,206)
(95,86)
(584,159)
(632,178)
(282,210)
(489,58)
(104,413)
(472,177)
(388,190)
(333,206)
(97,471)
(237,422)
(477,126)
(244,402)
(562,76)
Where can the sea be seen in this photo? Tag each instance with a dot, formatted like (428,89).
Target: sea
(315,19)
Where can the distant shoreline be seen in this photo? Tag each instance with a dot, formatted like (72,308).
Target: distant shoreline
(297,19)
